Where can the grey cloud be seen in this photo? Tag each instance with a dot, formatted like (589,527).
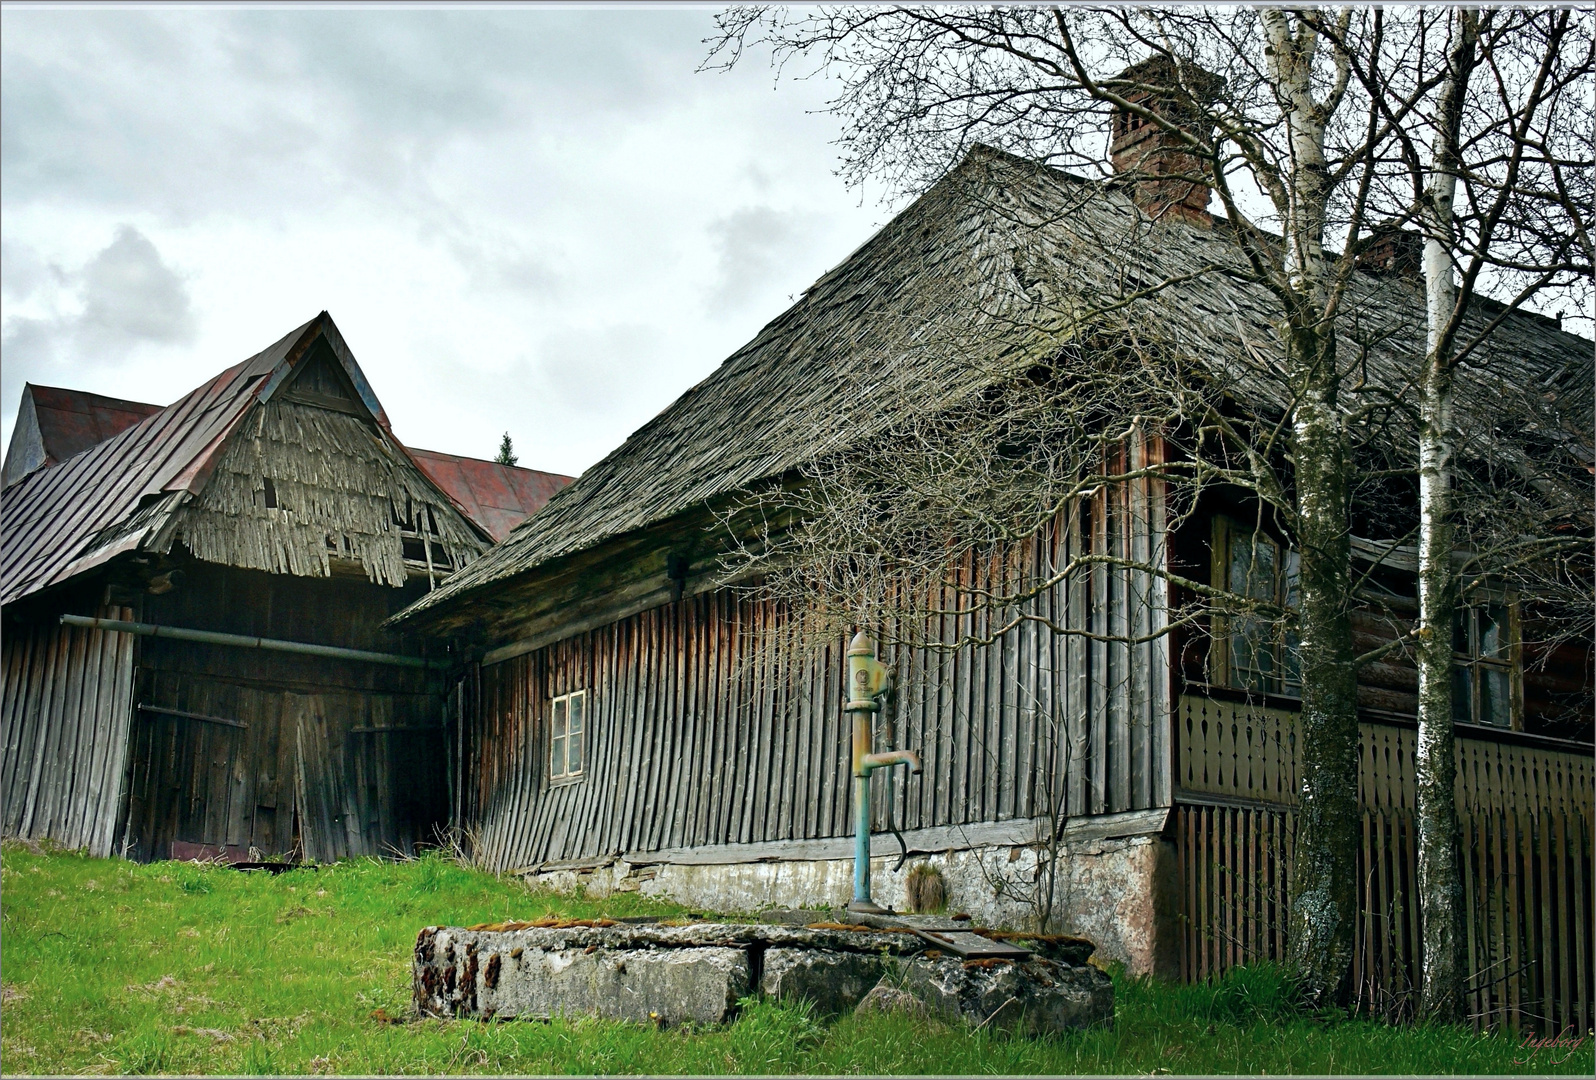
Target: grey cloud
(503,265)
(193,111)
(129,297)
(756,247)
(23,270)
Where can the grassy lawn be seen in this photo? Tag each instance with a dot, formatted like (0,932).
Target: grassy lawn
(114,967)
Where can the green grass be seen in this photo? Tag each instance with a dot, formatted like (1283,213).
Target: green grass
(171,967)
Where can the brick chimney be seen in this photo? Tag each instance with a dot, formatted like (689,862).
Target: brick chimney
(1393,251)
(1162,173)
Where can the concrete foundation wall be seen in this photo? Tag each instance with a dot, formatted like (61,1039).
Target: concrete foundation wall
(1119,893)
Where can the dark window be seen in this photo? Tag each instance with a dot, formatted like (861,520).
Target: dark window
(1258,652)
(1485,675)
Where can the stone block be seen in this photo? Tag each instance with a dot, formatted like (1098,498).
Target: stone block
(884,998)
(696,984)
(697,973)
(834,982)
(1035,997)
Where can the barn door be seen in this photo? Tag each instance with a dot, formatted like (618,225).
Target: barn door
(371,773)
(210,775)
(329,825)
(184,791)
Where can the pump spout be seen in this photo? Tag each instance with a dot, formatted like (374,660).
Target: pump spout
(887,758)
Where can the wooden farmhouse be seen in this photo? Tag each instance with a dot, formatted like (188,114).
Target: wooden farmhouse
(223,684)
(630,720)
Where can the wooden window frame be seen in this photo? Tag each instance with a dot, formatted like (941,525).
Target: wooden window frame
(1222,670)
(1509,661)
(560,734)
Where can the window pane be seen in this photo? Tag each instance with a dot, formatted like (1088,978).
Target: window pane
(1462,687)
(558,727)
(1291,663)
(575,755)
(1251,657)
(1493,631)
(1460,631)
(578,702)
(1495,706)
(1252,567)
(557,756)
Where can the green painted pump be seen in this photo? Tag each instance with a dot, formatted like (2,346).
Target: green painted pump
(867,685)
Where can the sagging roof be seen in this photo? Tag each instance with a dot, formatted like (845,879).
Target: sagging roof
(54,424)
(869,340)
(497,497)
(130,491)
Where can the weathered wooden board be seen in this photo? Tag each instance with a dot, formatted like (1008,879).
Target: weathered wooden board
(709,726)
(64,719)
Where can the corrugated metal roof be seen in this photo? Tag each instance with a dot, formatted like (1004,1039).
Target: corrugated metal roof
(54,424)
(497,497)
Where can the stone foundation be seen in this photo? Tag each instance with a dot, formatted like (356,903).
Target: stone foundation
(1118,892)
(696,974)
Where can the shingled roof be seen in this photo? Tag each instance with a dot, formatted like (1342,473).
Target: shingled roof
(868,340)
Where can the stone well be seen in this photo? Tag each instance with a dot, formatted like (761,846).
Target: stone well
(697,973)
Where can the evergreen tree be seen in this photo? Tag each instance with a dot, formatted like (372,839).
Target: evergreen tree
(506,454)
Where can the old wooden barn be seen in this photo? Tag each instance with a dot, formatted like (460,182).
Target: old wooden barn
(629,721)
(222,684)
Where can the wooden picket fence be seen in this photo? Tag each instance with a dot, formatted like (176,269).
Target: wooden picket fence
(1525,806)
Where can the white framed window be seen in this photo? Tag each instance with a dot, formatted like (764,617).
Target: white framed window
(1255,652)
(1485,673)
(567,736)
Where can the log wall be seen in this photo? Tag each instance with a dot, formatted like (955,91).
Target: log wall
(709,723)
(65,709)
(234,749)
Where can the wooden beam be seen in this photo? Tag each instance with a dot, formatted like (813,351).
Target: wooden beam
(192,716)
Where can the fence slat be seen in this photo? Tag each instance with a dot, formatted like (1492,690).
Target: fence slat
(1525,818)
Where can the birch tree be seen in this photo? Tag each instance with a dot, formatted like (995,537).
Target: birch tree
(1440,883)
(1299,118)
(1515,145)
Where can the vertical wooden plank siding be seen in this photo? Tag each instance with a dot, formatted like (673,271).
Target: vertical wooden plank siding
(711,725)
(1526,815)
(65,719)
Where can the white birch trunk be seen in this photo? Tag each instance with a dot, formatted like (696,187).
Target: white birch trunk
(1323,888)
(1440,886)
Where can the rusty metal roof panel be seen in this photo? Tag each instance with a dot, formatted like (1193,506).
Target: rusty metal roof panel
(497,497)
(54,424)
(54,519)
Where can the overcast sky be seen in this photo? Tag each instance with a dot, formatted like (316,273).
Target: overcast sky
(536,219)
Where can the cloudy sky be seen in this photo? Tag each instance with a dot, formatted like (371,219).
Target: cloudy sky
(537,219)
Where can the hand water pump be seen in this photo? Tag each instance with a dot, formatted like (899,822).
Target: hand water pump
(867,685)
